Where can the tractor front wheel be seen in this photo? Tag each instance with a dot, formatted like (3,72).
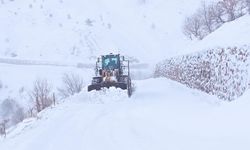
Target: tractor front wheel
(129,87)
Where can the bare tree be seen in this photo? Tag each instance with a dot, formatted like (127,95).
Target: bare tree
(72,84)
(219,13)
(3,127)
(212,15)
(202,23)
(232,8)
(41,94)
(31,112)
(193,27)
(207,17)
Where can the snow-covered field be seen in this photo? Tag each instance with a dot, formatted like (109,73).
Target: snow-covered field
(17,80)
(160,115)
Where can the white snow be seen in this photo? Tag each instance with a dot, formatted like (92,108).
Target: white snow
(47,38)
(57,30)
(173,117)
(231,34)
(18,80)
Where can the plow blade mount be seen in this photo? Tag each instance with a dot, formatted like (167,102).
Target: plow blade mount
(98,86)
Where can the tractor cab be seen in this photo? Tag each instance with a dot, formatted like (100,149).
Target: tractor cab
(110,62)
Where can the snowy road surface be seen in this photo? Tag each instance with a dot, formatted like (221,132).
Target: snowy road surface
(160,115)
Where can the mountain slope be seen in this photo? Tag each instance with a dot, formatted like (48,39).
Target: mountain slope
(231,34)
(79,29)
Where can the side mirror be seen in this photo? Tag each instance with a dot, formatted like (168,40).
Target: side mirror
(123,58)
(98,59)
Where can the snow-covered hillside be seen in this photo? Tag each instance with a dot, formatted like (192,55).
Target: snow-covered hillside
(168,117)
(231,34)
(78,29)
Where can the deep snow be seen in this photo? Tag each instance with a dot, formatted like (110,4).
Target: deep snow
(170,117)
(50,37)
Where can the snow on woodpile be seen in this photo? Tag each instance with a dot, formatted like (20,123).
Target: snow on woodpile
(221,71)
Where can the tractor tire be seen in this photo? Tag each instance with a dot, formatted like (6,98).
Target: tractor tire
(129,87)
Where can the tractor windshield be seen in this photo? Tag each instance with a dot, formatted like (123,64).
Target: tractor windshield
(110,62)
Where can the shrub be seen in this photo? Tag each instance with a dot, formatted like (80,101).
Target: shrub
(41,94)
(72,84)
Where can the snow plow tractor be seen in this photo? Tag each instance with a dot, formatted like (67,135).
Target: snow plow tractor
(112,71)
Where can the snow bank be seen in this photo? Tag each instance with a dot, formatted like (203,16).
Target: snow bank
(222,71)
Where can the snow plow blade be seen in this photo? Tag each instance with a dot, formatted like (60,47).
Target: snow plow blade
(99,86)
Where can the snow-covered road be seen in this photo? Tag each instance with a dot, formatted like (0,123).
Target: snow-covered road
(160,115)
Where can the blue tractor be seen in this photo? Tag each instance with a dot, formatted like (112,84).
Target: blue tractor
(112,71)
